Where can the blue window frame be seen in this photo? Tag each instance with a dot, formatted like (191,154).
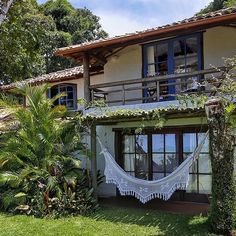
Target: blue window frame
(172,56)
(69,100)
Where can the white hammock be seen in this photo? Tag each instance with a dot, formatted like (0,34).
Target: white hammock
(145,190)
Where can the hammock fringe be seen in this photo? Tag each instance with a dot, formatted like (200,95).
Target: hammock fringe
(163,196)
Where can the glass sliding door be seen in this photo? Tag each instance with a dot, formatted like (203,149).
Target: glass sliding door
(165,158)
(136,161)
(155,155)
(157,65)
(173,56)
(186,59)
(200,173)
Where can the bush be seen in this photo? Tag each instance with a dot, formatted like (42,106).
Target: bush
(39,175)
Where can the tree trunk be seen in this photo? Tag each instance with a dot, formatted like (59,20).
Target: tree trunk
(5,6)
(222,161)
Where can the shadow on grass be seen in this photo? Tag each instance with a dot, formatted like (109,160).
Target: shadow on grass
(168,223)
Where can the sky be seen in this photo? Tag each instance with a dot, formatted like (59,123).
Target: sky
(118,17)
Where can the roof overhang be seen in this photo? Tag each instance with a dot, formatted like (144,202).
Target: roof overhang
(184,27)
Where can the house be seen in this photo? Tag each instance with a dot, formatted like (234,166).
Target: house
(140,72)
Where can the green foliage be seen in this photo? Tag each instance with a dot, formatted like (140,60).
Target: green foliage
(230,3)
(216,5)
(39,174)
(222,162)
(221,121)
(32,33)
(21,37)
(73,26)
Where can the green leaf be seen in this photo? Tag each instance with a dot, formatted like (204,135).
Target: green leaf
(21,194)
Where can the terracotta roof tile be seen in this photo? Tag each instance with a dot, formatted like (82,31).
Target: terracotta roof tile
(55,76)
(195,18)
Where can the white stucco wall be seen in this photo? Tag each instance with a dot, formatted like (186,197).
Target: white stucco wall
(218,42)
(125,65)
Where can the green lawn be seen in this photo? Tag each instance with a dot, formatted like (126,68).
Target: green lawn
(107,221)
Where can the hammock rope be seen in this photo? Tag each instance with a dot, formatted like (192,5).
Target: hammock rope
(146,190)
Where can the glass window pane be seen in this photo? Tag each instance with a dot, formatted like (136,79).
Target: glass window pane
(204,163)
(70,104)
(193,168)
(62,102)
(62,89)
(158,143)
(170,143)
(141,144)
(131,173)
(157,176)
(129,162)
(141,166)
(172,162)
(191,46)
(151,70)
(158,162)
(205,184)
(129,143)
(179,49)
(141,162)
(192,186)
(162,68)
(205,147)
(161,53)
(70,95)
(189,142)
(54,91)
(179,65)
(69,89)
(150,54)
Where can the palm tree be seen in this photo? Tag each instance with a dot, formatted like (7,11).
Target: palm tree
(37,167)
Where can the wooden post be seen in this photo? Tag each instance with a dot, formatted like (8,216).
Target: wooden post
(158,90)
(123,96)
(86,76)
(94,159)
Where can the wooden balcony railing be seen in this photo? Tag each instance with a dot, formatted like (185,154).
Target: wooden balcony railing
(155,89)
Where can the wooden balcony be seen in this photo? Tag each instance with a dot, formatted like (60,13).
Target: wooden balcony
(157,89)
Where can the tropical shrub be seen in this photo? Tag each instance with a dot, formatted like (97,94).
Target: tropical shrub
(39,174)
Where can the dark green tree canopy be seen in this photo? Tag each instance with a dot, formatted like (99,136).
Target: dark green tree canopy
(21,39)
(217,5)
(31,34)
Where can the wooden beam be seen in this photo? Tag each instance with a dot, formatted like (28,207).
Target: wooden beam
(94,159)
(86,76)
(101,59)
(114,52)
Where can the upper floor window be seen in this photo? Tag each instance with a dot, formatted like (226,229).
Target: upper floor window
(173,56)
(69,100)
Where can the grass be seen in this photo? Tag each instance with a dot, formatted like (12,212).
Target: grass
(106,221)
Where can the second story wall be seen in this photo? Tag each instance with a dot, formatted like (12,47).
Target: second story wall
(218,42)
(127,64)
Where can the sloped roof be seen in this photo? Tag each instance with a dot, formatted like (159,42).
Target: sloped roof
(227,15)
(62,75)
